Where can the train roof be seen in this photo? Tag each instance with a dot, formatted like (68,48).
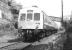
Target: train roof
(31,8)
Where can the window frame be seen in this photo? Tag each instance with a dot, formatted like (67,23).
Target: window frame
(24,17)
(31,16)
(38,17)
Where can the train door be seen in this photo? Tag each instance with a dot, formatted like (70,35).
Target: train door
(38,19)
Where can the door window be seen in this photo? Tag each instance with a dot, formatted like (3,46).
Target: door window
(36,16)
(29,16)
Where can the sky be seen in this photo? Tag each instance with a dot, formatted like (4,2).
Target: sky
(50,7)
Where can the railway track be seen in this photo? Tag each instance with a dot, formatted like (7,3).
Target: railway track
(16,45)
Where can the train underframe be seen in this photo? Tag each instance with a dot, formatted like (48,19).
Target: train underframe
(32,35)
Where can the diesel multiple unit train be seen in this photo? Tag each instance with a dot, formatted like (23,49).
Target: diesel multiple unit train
(34,24)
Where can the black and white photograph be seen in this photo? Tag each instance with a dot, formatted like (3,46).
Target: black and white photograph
(35,25)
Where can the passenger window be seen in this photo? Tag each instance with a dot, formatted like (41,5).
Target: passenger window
(36,16)
(29,16)
(23,16)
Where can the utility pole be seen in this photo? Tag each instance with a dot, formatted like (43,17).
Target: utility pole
(62,9)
